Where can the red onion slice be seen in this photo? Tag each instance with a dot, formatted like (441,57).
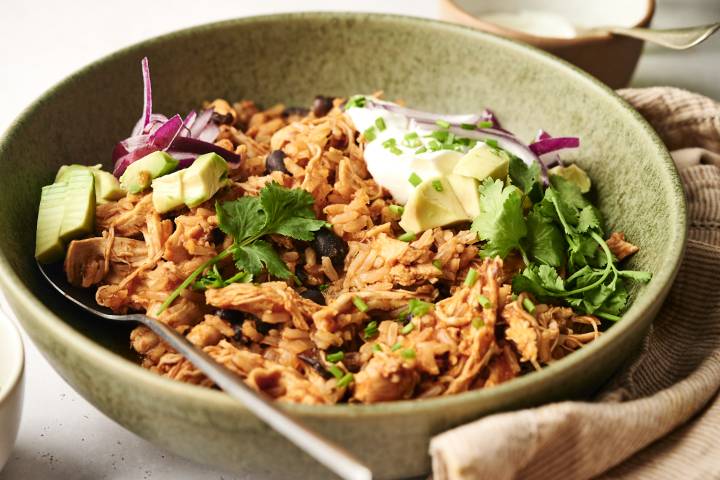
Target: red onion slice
(553,144)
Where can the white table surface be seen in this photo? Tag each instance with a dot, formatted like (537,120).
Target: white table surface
(64,437)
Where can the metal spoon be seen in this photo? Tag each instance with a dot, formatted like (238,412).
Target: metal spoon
(327,453)
(675,38)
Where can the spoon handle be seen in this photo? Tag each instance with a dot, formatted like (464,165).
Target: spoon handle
(675,38)
(327,453)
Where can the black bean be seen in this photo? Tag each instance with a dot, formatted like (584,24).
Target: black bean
(275,162)
(263,328)
(222,118)
(314,295)
(327,244)
(232,316)
(217,236)
(443,290)
(322,105)
(312,358)
(238,336)
(295,111)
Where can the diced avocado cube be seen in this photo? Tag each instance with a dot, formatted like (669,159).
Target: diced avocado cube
(48,246)
(466,191)
(65,171)
(483,162)
(79,213)
(140,174)
(430,207)
(107,187)
(204,178)
(573,174)
(168,192)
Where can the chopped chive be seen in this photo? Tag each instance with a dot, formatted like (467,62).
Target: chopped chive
(396,209)
(442,123)
(513,296)
(380,124)
(355,101)
(434,145)
(485,124)
(439,135)
(396,347)
(437,185)
(464,141)
(420,150)
(412,139)
(407,237)
(607,316)
(437,264)
(345,380)
(335,356)
(408,353)
(491,142)
(450,139)
(377,347)
(478,322)
(395,150)
(471,277)
(414,179)
(369,134)
(529,305)
(336,371)
(418,308)
(484,301)
(323,287)
(390,142)
(362,306)
(407,328)
(467,126)
(371,329)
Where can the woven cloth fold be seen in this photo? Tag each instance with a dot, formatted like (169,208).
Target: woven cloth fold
(660,416)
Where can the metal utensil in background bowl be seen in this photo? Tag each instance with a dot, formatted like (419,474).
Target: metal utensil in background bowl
(12,365)
(290,58)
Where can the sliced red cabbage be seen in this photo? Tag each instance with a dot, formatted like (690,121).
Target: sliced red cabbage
(553,144)
(183,139)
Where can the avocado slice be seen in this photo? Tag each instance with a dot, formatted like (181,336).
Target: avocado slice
(483,162)
(107,187)
(79,202)
(48,246)
(573,174)
(203,178)
(64,171)
(139,175)
(168,192)
(192,186)
(466,191)
(430,207)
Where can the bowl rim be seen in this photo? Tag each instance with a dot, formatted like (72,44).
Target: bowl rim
(7,325)
(467,18)
(108,360)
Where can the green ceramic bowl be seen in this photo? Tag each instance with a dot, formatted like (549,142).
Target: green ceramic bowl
(291,58)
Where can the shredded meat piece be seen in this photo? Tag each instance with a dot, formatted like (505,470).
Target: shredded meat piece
(272,302)
(385,378)
(88,261)
(619,247)
(127,216)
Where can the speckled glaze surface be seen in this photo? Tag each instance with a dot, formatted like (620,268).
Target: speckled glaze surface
(291,58)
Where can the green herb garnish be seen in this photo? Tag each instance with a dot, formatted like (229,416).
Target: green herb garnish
(277,210)
(485,124)
(407,237)
(414,179)
(467,126)
(478,322)
(484,301)
(371,329)
(336,371)
(358,101)
(335,356)
(396,209)
(437,185)
(442,124)
(528,305)
(360,304)
(396,347)
(380,124)
(471,277)
(407,328)
(345,380)
(421,150)
(408,353)
(370,134)
(437,264)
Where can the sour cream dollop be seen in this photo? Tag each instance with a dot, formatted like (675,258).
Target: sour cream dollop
(400,149)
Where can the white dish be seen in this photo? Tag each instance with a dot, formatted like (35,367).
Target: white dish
(12,361)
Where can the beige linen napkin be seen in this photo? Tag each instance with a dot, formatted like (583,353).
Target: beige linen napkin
(660,417)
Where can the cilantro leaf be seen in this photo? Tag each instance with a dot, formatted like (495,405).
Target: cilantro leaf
(643,277)
(242,218)
(545,242)
(589,219)
(289,212)
(568,192)
(258,256)
(526,177)
(500,222)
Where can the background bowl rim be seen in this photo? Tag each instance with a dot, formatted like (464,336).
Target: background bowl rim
(108,360)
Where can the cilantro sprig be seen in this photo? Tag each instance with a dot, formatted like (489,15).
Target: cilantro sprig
(556,230)
(277,210)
